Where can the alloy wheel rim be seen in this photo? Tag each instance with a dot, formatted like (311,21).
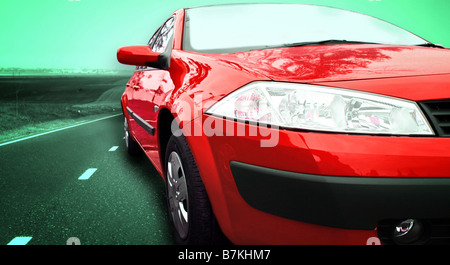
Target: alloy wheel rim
(177,194)
(127,134)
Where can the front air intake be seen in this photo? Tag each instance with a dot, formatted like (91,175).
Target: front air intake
(438,114)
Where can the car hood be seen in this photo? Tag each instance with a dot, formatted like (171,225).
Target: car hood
(324,63)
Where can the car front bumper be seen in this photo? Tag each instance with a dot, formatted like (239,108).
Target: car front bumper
(343,202)
(318,188)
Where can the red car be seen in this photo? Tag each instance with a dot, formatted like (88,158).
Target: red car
(293,124)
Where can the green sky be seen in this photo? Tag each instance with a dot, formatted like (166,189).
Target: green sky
(87,33)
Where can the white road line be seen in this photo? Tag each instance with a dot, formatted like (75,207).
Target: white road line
(112,149)
(87,174)
(72,126)
(20,240)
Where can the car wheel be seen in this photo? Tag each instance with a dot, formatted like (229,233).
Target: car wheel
(193,221)
(132,146)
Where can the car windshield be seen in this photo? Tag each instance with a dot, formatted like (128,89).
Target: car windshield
(243,27)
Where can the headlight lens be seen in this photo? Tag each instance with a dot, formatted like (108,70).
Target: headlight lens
(322,108)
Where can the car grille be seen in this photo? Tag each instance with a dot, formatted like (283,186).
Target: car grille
(438,113)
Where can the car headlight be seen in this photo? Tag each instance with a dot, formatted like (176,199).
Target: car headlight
(321,108)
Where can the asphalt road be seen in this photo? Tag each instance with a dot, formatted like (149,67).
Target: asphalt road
(42,197)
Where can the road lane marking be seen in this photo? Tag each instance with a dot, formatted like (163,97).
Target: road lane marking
(87,174)
(57,130)
(112,149)
(20,240)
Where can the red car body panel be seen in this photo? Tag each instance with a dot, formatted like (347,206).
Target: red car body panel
(312,153)
(323,63)
(420,87)
(196,81)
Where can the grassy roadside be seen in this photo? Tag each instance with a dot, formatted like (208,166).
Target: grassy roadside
(46,104)
(43,127)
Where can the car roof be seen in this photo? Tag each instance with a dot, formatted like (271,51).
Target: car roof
(237,5)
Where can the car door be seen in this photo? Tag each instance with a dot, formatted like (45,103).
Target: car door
(145,91)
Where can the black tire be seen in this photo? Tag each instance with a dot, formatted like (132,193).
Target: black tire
(132,146)
(201,227)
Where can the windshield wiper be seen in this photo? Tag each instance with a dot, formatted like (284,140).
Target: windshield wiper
(310,43)
(330,42)
(433,45)
(326,42)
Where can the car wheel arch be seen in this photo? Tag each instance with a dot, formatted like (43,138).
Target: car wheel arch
(165,119)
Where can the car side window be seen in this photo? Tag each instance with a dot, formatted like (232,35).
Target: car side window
(159,44)
(160,39)
(153,38)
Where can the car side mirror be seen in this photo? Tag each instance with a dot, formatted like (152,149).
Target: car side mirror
(140,55)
